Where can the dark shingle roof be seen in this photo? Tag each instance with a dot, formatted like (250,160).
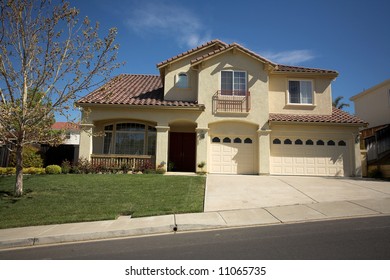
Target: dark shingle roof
(337,116)
(128,89)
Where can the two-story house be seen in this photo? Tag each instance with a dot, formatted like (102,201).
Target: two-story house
(373,105)
(229,107)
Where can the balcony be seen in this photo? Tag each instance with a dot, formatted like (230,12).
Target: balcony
(231,101)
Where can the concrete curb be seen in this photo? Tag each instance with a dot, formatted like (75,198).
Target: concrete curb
(126,227)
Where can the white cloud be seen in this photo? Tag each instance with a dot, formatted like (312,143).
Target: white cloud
(289,57)
(173,21)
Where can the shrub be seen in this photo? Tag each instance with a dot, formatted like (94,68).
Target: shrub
(29,170)
(65,167)
(375,173)
(125,167)
(34,170)
(53,169)
(160,170)
(10,171)
(31,157)
(147,164)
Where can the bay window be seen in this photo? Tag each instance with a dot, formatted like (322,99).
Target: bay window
(129,139)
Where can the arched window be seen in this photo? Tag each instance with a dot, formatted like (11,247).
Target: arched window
(298,142)
(309,142)
(130,139)
(182,80)
(248,141)
(216,140)
(331,143)
(342,143)
(237,140)
(320,143)
(287,142)
(227,140)
(276,141)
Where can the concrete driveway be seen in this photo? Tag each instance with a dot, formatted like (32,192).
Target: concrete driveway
(231,192)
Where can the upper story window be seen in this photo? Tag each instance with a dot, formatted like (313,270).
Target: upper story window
(233,82)
(182,80)
(300,92)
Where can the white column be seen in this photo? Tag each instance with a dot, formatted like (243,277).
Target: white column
(86,143)
(264,151)
(162,145)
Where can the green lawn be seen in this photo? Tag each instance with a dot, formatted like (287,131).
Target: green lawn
(50,199)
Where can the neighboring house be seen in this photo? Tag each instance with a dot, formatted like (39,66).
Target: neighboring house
(373,105)
(4,154)
(229,107)
(68,150)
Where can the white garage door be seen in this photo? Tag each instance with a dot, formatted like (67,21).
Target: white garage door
(308,157)
(232,155)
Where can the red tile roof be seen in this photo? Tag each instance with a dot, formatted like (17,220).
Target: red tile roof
(337,116)
(65,126)
(216,42)
(296,69)
(227,48)
(129,89)
(148,90)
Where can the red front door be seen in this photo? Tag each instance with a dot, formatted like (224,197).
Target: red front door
(182,151)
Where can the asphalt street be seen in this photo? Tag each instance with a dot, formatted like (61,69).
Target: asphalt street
(359,238)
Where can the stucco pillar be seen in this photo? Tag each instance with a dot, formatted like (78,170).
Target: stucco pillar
(162,145)
(201,147)
(264,151)
(357,156)
(86,143)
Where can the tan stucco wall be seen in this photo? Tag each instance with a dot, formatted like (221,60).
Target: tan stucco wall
(373,105)
(278,96)
(210,82)
(183,65)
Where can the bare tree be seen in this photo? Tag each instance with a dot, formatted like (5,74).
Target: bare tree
(48,56)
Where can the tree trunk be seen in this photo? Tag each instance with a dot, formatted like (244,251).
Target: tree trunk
(19,171)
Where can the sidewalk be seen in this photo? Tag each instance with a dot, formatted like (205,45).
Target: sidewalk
(125,226)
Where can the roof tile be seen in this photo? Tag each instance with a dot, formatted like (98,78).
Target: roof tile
(129,89)
(337,116)
(297,69)
(216,41)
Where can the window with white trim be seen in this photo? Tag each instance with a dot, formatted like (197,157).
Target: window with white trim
(300,92)
(233,82)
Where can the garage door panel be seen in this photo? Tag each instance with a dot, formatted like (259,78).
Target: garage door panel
(232,158)
(308,160)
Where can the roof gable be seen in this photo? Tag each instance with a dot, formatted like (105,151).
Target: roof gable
(230,47)
(214,43)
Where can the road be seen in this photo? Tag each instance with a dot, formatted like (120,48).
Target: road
(363,238)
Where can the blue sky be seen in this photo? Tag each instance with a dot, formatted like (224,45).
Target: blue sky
(351,37)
